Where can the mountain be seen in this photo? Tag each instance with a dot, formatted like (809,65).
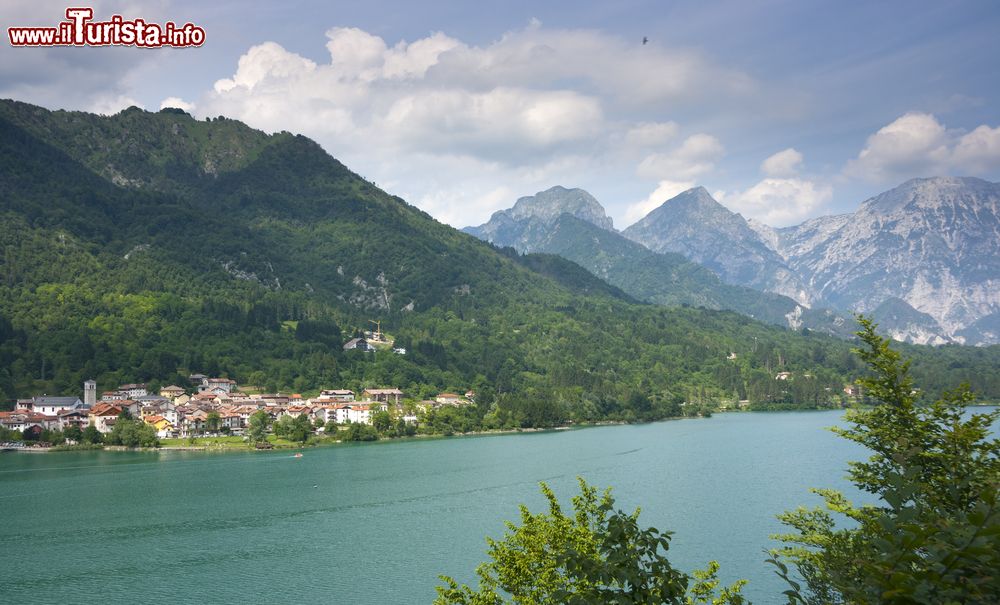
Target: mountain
(902,322)
(530,217)
(664,279)
(142,247)
(703,230)
(923,258)
(933,243)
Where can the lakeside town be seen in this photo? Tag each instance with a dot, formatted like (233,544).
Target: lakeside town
(212,405)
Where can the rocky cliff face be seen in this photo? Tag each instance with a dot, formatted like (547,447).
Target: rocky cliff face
(705,231)
(523,225)
(932,243)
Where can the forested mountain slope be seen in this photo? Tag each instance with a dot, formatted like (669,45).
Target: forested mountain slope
(144,246)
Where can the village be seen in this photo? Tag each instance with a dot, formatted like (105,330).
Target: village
(211,405)
(216,405)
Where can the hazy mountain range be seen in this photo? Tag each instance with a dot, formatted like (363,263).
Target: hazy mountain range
(923,258)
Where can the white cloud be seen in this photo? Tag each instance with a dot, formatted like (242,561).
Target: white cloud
(177,102)
(785,163)
(696,156)
(451,124)
(112,104)
(979,151)
(780,202)
(917,144)
(268,63)
(651,134)
(664,191)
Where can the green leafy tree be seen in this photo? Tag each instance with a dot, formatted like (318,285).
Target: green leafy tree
(91,435)
(73,433)
(934,536)
(359,432)
(382,421)
(597,555)
(213,421)
(283,426)
(300,429)
(257,427)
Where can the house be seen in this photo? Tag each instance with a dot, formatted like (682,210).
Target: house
(151,400)
(296,410)
(52,406)
(853,390)
(399,350)
(337,395)
(217,385)
(359,413)
(783,376)
(448,399)
(197,378)
(171,392)
(78,418)
(109,396)
(20,420)
(276,399)
(133,391)
(103,416)
(204,397)
(193,423)
(231,418)
(164,428)
(358,344)
(382,395)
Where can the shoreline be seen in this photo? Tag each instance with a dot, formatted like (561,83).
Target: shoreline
(218,448)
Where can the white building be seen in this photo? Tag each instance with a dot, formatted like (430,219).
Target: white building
(133,391)
(53,406)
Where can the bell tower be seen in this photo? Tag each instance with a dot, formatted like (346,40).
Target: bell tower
(89,393)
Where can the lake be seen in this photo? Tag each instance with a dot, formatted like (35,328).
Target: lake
(376,523)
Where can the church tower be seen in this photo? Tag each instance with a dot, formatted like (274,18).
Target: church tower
(90,393)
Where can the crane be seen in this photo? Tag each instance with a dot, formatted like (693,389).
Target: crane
(378,329)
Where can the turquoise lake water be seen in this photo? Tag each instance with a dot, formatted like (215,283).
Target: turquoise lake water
(376,523)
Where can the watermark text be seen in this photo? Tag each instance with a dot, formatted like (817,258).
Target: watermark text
(80,29)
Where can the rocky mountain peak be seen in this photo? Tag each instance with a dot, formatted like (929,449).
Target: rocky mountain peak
(549,204)
(932,193)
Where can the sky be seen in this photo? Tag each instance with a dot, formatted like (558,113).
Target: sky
(784,110)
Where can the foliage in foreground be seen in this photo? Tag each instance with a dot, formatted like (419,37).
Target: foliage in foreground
(935,536)
(597,555)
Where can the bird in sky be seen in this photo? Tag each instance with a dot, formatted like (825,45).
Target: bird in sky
(644,40)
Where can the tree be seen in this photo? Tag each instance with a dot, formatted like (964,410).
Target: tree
(257,427)
(382,421)
(283,426)
(91,435)
(213,421)
(598,555)
(73,433)
(935,470)
(300,428)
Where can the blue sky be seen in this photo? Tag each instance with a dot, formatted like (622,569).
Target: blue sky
(784,110)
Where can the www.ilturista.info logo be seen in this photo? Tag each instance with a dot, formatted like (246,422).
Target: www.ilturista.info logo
(80,29)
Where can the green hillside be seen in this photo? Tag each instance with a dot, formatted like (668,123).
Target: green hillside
(145,246)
